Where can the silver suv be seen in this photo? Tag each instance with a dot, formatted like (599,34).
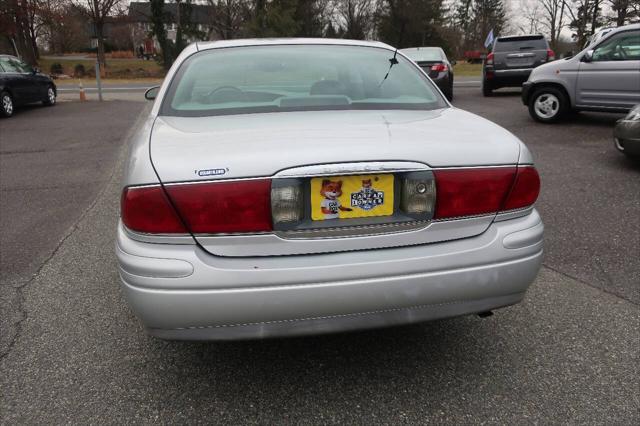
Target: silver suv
(603,77)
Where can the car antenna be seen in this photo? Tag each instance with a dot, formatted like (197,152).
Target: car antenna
(392,61)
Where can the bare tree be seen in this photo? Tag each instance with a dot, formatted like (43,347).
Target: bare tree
(624,11)
(228,17)
(585,17)
(356,18)
(17,17)
(553,19)
(533,18)
(98,11)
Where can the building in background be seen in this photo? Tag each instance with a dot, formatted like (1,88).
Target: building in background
(139,19)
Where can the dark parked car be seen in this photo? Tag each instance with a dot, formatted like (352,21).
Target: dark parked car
(626,134)
(435,63)
(20,84)
(512,59)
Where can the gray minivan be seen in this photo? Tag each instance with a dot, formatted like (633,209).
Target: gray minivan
(603,77)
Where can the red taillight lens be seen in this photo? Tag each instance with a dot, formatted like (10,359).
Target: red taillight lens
(439,67)
(525,189)
(148,210)
(489,59)
(470,192)
(551,56)
(224,207)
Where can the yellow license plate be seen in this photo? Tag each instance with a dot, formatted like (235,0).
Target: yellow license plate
(348,197)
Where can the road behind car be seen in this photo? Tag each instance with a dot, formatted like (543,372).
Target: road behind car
(53,164)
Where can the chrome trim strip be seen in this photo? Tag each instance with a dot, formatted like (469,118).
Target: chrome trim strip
(512,70)
(158,238)
(513,214)
(353,231)
(354,168)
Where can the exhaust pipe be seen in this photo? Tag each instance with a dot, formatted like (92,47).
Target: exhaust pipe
(486,314)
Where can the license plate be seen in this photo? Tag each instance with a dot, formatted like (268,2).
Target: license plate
(350,197)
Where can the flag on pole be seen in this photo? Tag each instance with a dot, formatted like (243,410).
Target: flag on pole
(489,40)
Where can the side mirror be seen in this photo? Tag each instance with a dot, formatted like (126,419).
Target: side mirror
(588,56)
(151,93)
(35,70)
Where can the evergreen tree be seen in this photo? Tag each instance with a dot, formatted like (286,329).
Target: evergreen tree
(158,19)
(487,15)
(407,23)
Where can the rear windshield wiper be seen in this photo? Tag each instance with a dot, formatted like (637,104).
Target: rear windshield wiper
(392,61)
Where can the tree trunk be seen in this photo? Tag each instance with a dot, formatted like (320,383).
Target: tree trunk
(100,35)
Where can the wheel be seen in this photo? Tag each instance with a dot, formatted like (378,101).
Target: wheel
(547,104)
(50,99)
(486,89)
(449,92)
(6,104)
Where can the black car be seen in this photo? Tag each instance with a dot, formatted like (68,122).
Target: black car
(435,63)
(626,134)
(512,59)
(20,84)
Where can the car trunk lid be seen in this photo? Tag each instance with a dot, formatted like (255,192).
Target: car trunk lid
(308,145)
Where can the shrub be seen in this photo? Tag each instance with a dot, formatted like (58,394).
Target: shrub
(56,68)
(79,71)
(122,54)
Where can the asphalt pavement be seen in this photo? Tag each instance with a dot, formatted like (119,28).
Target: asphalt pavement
(570,353)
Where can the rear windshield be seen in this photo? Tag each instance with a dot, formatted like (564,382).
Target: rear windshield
(296,78)
(520,43)
(419,55)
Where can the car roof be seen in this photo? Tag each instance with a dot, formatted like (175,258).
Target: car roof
(218,44)
(622,28)
(609,32)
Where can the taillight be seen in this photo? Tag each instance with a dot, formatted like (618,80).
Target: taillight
(477,191)
(525,189)
(224,207)
(489,59)
(439,67)
(147,209)
(551,56)
(470,192)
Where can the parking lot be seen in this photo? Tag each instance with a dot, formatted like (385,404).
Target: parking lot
(72,351)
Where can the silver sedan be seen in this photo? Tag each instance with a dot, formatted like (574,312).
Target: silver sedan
(289,187)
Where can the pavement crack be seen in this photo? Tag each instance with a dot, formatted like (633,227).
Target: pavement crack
(20,308)
(601,288)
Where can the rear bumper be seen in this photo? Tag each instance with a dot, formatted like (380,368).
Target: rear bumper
(180,292)
(508,78)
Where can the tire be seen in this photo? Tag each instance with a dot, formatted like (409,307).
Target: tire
(6,104)
(487,90)
(50,97)
(448,93)
(548,104)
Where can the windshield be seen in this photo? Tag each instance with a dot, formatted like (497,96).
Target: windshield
(296,78)
(420,55)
